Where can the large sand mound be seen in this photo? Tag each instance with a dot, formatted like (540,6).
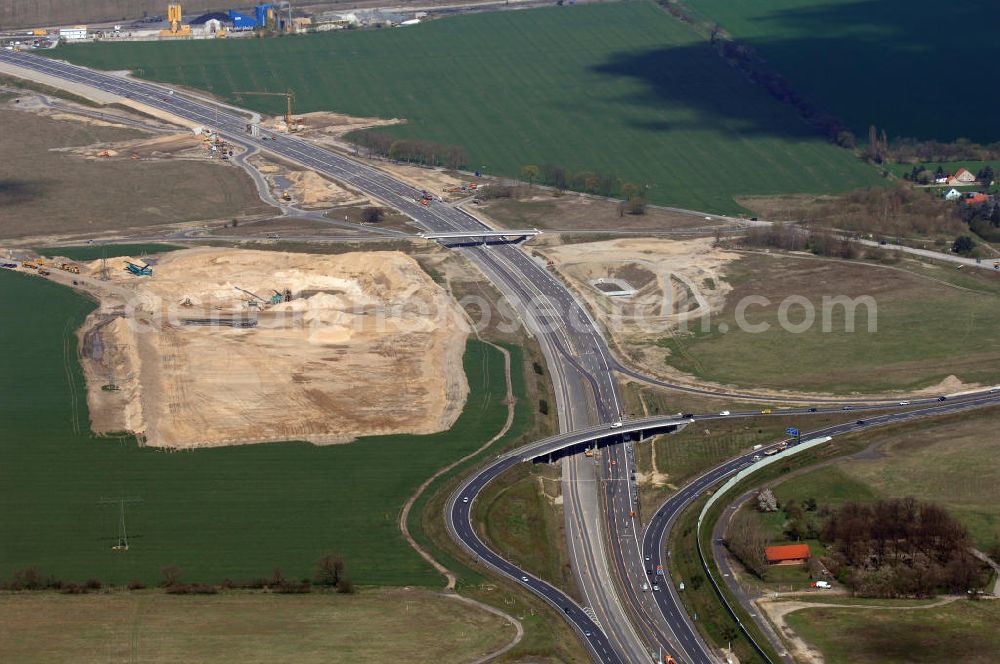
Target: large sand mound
(368,344)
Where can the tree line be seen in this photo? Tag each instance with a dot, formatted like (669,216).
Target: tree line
(591,182)
(416,151)
(330,574)
(789,237)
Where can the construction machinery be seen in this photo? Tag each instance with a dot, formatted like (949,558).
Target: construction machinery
(139,270)
(177,28)
(69,267)
(253,302)
(289,96)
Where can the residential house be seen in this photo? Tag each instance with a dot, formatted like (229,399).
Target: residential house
(952,194)
(976,198)
(962,176)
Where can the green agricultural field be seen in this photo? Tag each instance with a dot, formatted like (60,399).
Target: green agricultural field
(925,330)
(891,63)
(95,251)
(962,632)
(235,512)
(621,88)
(947,463)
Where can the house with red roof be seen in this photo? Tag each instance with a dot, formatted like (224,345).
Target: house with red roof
(788,554)
(962,176)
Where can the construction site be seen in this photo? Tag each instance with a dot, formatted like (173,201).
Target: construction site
(209,347)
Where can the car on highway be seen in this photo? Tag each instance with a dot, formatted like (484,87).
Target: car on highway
(942,398)
(645,587)
(861,422)
(812,410)
(524,578)
(725,412)
(766,411)
(588,633)
(465,500)
(848,408)
(616,425)
(904,403)
(656,588)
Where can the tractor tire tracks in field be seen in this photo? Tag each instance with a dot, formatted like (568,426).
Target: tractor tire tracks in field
(451,579)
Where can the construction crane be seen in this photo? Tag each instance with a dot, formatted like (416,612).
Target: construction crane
(289,96)
(177,28)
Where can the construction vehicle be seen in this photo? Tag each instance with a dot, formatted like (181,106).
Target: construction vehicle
(139,270)
(289,96)
(30,264)
(253,302)
(69,267)
(43,272)
(177,27)
(281,296)
(285,196)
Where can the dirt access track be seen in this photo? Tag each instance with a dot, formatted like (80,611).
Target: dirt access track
(368,344)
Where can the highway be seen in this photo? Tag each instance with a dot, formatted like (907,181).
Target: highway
(619,622)
(658,529)
(575,352)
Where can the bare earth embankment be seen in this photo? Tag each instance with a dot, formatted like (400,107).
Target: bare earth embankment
(368,344)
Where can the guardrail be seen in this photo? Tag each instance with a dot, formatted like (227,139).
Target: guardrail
(729,484)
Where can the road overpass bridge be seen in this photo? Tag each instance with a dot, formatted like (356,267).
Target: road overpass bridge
(639,429)
(475,233)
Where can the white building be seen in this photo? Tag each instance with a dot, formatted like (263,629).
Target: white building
(952,195)
(75,33)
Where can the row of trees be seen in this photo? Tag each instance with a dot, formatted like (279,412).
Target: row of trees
(330,573)
(591,182)
(425,153)
(788,237)
(744,58)
(913,151)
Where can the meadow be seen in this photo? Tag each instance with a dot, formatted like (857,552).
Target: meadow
(237,512)
(370,627)
(925,330)
(962,632)
(902,65)
(941,462)
(621,88)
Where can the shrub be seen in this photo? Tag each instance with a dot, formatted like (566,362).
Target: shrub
(135,584)
(346,586)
